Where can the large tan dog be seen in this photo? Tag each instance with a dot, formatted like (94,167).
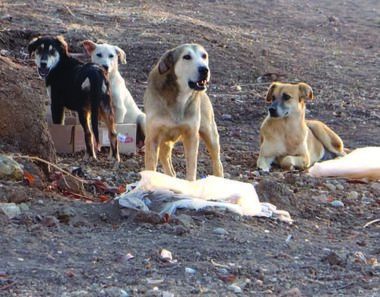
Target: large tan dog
(287,138)
(177,107)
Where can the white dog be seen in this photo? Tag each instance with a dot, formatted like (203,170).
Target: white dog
(126,110)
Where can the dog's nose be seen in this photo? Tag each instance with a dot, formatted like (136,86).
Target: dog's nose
(105,67)
(272,111)
(43,65)
(203,70)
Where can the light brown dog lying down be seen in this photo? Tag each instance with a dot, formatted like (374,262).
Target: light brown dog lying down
(287,138)
(177,107)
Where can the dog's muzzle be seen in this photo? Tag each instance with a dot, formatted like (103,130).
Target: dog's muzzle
(43,70)
(200,85)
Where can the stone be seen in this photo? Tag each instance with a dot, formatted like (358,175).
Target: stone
(10,169)
(10,209)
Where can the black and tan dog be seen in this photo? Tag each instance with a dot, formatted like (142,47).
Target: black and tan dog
(76,86)
(177,107)
(287,138)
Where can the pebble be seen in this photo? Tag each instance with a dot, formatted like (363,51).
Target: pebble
(235,289)
(353,195)
(337,203)
(295,292)
(340,187)
(321,198)
(190,270)
(24,207)
(10,209)
(10,169)
(259,282)
(226,117)
(219,231)
(331,187)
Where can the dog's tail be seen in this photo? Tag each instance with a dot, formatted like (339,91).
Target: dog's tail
(329,139)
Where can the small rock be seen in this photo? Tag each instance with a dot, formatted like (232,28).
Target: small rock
(190,270)
(167,294)
(320,198)
(24,207)
(295,292)
(235,289)
(113,292)
(185,220)
(10,209)
(259,282)
(376,187)
(219,231)
(353,195)
(10,169)
(337,203)
(226,117)
(339,186)
(331,187)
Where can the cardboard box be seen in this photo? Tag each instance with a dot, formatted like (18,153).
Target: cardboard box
(67,138)
(70,138)
(126,135)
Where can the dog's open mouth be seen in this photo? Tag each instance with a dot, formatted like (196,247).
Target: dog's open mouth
(198,86)
(43,71)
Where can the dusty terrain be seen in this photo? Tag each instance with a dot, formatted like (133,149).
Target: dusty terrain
(61,246)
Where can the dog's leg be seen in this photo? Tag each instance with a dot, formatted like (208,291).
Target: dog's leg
(295,162)
(264,162)
(84,119)
(151,153)
(165,156)
(211,138)
(112,135)
(191,145)
(330,140)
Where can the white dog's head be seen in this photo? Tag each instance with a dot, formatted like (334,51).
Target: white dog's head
(189,64)
(105,54)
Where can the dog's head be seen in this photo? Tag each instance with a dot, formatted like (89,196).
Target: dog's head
(105,54)
(287,99)
(189,64)
(47,51)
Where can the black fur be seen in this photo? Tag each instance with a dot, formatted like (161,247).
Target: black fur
(67,80)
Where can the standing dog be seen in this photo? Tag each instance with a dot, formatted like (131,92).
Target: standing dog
(126,110)
(287,138)
(76,86)
(177,107)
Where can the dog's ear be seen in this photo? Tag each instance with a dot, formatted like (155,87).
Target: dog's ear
(89,46)
(32,46)
(166,62)
(268,97)
(63,45)
(121,54)
(305,91)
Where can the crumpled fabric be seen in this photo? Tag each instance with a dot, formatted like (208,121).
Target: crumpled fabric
(165,194)
(360,163)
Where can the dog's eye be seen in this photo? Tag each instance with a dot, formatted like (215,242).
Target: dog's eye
(204,56)
(99,55)
(285,96)
(187,57)
(111,56)
(52,51)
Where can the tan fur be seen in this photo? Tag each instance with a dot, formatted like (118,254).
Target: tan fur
(286,137)
(175,111)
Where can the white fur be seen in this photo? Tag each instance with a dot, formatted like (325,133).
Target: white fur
(126,110)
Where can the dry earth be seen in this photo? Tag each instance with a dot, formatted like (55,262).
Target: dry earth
(62,246)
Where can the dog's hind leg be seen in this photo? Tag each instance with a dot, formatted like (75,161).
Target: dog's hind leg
(330,140)
(165,156)
(295,162)
(112,134)
(84,119)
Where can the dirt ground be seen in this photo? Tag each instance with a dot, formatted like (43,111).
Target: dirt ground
(61,246)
